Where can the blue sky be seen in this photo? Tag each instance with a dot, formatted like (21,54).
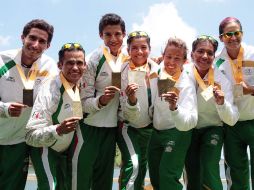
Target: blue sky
(77,20)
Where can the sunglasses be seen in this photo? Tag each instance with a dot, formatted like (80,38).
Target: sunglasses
(230,34)
(206,37)
(137,33)
(72,45)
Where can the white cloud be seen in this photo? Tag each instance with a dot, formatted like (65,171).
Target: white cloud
(162,22)
(4,41)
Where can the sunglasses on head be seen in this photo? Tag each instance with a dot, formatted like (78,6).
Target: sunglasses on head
(137,33)
(206,37)
(230,34)
(71,45)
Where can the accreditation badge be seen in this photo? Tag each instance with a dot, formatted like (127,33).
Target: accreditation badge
(237,90)
(28,97)
(207,94)
(77,109)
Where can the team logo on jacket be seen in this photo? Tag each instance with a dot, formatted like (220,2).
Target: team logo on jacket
(11,79)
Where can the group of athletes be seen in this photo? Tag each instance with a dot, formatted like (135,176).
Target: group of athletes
(167,114)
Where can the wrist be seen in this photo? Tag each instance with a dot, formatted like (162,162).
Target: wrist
(132,102)
(58,130)
(100,104)
(173,108)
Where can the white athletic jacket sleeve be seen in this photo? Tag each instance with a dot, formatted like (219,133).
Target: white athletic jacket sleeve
(228,112)
(40,130)
(186,115)
(89,100)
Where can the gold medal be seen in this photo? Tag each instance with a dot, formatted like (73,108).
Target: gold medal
(237,90)
(165,85)
(77,109)
(207,94)
(28,97)
(116,79)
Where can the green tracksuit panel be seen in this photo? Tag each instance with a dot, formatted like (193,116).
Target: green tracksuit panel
(203,157)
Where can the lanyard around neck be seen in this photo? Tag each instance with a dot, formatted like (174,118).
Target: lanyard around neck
(73,95)
(28,82)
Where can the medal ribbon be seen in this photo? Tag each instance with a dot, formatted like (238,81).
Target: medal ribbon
(175,77)
(237,68)
(114,65)
(28,82)
(73,95)
(200,80)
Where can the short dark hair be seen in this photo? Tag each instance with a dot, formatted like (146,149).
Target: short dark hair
(203,38)
(70,47)
(227,20)
(138,34)
(40,24)
(111,19)
(177,42)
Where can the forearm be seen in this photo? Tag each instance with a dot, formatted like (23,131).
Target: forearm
(40,135)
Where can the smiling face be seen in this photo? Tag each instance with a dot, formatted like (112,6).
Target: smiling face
(73,65)
(233,42)
(174,58)
(203,56)
(112,35)
(139,51)
(34,44)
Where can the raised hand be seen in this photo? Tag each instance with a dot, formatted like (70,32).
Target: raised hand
(15,109)
(218,95)
(130,92)
(108,95)
(171,98)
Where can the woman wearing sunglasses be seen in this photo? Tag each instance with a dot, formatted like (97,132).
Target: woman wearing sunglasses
(215,106)
(236,62)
